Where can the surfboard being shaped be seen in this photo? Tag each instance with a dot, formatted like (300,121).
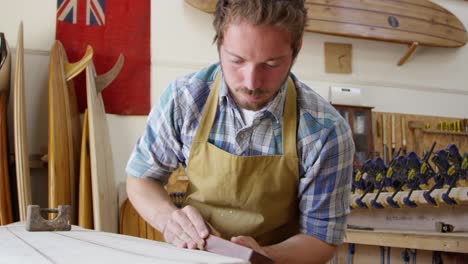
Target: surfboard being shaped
(412,22)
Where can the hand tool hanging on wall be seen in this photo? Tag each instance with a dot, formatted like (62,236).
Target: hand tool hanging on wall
(398,173)
(458,164)
(380,170)
(414,173)
(428,175)
(454,172)
(442,164)
(393,142)
(403,134)
(382,177)
(366,182)
(360,184)
(384,139)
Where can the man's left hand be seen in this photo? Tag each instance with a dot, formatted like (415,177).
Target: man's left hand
(249,242)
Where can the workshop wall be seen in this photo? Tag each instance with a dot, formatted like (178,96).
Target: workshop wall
(432,82)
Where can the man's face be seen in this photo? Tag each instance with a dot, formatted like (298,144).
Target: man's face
(256,61)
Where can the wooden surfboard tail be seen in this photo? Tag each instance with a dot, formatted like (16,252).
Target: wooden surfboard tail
(64,128)
(104,189)
(6,215)
(19,120)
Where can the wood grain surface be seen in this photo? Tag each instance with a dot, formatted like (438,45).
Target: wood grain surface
(104,186)
(64,130)
(397,21)
(85,197)
(19,126)
(6,216)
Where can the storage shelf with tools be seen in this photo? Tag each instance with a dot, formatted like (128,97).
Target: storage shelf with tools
(459,194)
(441,132)
(448,242)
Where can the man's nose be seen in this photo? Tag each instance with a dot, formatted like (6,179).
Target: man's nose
(252,78)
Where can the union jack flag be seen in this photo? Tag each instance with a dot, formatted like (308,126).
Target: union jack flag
(95,15)
(66,11)
(111,28)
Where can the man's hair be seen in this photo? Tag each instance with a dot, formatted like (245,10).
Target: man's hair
(288,14)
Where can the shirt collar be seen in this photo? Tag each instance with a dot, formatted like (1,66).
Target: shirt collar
(275,107)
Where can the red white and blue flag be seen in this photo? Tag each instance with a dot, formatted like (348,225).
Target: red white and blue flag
(66,11)
(95,15)
(111,28)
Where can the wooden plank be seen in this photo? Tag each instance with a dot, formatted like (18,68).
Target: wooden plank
(85,198)
(396,21)
(19,123)
(6,216)
(448,242)
(104,186)
(88,246)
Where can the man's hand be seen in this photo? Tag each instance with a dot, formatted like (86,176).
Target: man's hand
(249,242)
(186,228)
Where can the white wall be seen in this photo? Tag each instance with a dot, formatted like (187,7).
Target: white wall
(433,82)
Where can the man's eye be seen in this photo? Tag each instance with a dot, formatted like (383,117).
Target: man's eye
(236,61)
(272,65)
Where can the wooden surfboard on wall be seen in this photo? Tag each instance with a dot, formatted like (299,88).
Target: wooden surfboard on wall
(416,22)
(85,198)
(64,128)
(105,205)
(19,126)
(6,215)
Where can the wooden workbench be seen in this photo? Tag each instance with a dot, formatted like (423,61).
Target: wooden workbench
(88,246)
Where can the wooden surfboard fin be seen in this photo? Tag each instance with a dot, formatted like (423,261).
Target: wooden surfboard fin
(102,81)
(73,69)
(408,54)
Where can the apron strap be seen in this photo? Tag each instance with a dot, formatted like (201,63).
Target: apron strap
(211,105)
(289,129)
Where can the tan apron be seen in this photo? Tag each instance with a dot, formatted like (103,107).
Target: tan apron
(246,195)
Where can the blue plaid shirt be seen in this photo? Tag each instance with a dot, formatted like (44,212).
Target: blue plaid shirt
(324,145)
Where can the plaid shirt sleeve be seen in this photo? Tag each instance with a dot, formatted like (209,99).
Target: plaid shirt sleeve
(156,153)
(325,187)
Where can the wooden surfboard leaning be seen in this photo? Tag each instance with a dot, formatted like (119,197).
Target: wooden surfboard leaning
(64,128)
(19,124)
(105,205)
(6,216)
(88,246)
(415,23)
(85,198)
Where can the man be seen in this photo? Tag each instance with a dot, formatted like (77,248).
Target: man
(269,161)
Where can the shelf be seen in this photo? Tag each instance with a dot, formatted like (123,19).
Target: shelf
(441,132)
(458,193)
(433,241)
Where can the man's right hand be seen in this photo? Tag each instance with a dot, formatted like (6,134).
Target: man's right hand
(186,228)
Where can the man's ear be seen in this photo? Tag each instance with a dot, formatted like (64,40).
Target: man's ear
(299,44)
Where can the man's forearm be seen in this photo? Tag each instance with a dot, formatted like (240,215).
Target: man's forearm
(151,201)
(301,248)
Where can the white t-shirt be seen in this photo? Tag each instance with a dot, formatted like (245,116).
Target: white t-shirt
(248,116)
